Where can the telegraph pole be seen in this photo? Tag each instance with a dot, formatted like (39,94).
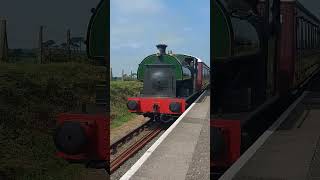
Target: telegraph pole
(111,73)
(3,40)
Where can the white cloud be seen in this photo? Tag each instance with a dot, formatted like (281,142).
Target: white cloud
(116,30)
(172,40)
(121,20)
(137,6)
(187,29)
(132,45)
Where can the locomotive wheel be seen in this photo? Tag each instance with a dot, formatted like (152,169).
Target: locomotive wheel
(70,138)
(165,119)
(218,142)
(246,141)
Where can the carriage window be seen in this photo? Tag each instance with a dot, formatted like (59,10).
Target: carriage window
(313,36)
(311,25)
(302,34)
(306,35)
(318,37)
(309,36)
(318,41)
(298,35)
(246,37)
(316,33)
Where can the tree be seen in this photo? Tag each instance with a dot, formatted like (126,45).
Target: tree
(17,52)
(49,43)
(77,41)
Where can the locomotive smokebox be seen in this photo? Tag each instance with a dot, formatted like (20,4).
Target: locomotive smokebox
(162,48)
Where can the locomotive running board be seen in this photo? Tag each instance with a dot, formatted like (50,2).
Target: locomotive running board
(260,109)
(194,95)
(305,83)
(273,100)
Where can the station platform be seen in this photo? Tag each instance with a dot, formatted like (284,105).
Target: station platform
(183,153)
(290,148)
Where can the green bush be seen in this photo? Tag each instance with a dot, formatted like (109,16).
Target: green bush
(30,98)
(119,92)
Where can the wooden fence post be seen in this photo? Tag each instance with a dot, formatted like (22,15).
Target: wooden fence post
(69,44)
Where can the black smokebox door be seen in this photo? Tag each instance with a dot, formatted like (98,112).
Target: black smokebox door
(159,80)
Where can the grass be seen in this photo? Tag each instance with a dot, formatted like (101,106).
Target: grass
(30,155)
(30,98)
(119,92)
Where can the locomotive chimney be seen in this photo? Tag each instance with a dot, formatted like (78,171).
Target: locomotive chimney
(162,48)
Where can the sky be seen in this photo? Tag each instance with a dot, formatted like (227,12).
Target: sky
(137,26)
(25,16)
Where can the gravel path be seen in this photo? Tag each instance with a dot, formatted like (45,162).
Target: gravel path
(117,133)
(200,166)
(95,174)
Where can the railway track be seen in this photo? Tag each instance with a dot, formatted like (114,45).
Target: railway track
(119,157)
(118,143)
(133,149)
(151,126)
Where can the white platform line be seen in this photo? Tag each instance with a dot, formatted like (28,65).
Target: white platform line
(235,168)
(146,155)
